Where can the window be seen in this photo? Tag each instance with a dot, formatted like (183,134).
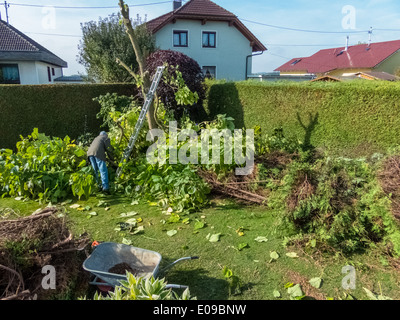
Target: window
(295,62)
(49,73)
(180,38)
(209,39)
(9,74)
(53,72)
(209,71)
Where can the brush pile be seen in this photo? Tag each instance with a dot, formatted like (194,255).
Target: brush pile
(389,178)
(27,244)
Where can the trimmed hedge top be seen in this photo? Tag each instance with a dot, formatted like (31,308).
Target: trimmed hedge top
(57,110)
(355,118)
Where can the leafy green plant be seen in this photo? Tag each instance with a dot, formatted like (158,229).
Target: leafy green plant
(143,289)
(234,282)
(45,169)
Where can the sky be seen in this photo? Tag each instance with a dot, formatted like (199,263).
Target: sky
(289,29)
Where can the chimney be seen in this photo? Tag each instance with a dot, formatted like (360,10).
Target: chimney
(347,43)
(177,4)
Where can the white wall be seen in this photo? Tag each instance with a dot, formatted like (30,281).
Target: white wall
(34,72)
(43,75)
(27,71)
(230,53)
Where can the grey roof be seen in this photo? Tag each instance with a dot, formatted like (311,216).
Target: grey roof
(74,78)
(14,45)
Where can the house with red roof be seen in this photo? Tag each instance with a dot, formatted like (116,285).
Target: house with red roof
(221,44)
(381,59)
(24,61)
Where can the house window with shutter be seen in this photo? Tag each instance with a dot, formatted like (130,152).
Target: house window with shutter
(180,38)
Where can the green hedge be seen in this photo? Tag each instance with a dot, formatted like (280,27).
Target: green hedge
(57,110)
(354,118)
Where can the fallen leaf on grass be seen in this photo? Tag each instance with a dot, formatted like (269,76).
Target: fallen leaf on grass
(138,230)
(126,241)
(292,254)
(241,246)
(102,203)
(276,294)
(274,255)
(295,292)
(199,225)
(153,204)
(261,239)
(171,233)
(75,206)
(132,222)
(213,237)
(128,214)
(316,282)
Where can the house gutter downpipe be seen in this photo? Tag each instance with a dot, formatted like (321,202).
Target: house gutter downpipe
(247,61)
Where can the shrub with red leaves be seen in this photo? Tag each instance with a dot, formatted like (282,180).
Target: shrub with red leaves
(191,73)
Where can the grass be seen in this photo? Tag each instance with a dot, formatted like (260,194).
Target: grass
(258,275)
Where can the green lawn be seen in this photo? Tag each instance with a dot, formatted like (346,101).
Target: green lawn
(258,275)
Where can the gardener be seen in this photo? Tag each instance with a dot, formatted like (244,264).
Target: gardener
(101,146)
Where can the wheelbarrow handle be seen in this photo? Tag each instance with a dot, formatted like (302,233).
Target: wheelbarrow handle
(177,261)
(176,286)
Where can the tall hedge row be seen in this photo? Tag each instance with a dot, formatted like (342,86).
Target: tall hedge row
(354,118)
(57,110)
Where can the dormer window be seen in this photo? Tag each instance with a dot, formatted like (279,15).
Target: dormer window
(180,38)
(295,62)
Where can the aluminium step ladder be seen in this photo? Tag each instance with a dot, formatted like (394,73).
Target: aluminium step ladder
(142,117)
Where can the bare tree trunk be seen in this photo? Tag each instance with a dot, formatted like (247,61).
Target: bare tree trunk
(141,59)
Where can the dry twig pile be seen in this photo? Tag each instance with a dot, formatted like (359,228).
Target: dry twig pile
(28,244)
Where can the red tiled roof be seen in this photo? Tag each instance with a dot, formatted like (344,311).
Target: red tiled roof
(358,56)
(204,10)
(200,7)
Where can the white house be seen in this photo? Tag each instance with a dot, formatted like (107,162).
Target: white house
(24,61)
(221,44)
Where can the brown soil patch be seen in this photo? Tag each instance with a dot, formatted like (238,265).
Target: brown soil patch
(122,268)
(307,288)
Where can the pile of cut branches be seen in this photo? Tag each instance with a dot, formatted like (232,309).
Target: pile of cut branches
(27,244)
(235,187)
(389,178)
